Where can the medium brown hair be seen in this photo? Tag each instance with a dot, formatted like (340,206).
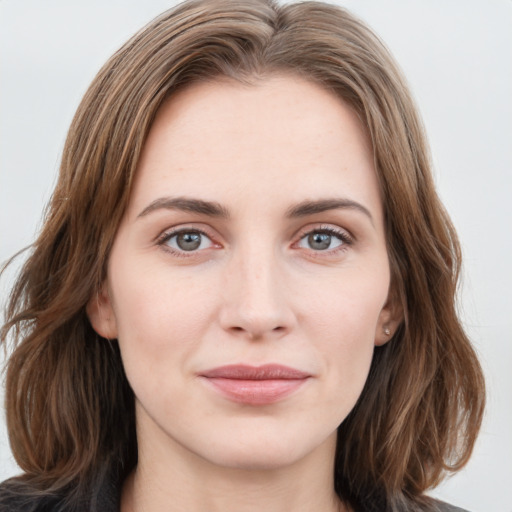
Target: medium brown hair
(69,407)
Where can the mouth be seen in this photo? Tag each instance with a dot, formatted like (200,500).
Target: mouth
(255,385)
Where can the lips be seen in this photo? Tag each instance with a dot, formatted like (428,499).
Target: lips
(255,385)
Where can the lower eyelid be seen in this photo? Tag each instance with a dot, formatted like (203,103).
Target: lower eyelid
(345,239)
(162,241)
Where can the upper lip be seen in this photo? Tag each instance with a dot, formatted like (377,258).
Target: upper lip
(248,372)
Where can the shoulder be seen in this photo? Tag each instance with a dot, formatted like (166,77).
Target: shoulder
(441,506)
(424,504)
(100,495)
(15,496)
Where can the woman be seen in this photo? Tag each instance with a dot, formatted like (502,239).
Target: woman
(243,293)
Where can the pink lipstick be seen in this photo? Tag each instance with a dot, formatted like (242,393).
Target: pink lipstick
(255,385)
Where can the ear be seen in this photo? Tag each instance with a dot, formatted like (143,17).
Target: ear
(101,314)
(390,318)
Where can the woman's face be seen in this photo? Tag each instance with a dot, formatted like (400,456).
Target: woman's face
(248,281)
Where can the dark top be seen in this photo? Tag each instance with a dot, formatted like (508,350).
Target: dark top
(105,498)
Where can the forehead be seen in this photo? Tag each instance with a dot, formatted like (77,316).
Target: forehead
(304,108)
(281,133)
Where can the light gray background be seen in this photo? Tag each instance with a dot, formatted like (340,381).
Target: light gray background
(457,56)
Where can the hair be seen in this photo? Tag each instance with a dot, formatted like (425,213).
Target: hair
(70,410)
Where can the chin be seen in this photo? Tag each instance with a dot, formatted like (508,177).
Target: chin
(267,453)
(258,459)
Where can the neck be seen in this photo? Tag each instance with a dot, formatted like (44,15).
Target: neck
(184,481)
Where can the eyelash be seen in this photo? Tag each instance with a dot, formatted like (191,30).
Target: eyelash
(168,235)
(345,238)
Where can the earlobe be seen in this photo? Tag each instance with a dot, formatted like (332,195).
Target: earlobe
(390,318)
(101,315)
(383,335)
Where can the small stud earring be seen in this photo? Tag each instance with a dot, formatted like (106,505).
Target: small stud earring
(387,332)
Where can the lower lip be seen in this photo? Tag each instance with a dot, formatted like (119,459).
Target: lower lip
(256,392)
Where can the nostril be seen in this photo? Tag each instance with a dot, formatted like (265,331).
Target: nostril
(257,333)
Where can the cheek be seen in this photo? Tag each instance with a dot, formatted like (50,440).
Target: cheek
(345,334)
(343,319)
(160,317)
(347,308)
(346,348)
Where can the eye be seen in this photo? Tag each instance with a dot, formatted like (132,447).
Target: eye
(324,239)
(188,240)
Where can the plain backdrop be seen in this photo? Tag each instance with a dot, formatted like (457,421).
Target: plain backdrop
(457,56)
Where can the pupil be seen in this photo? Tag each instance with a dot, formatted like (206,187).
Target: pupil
(319,241)
(189,241)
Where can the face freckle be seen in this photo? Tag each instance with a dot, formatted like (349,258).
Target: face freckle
(254,238)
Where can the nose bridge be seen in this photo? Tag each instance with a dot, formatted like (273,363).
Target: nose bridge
(255,296)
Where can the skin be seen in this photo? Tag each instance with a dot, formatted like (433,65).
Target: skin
(258,289)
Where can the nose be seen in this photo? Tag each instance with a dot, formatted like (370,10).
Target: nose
(257,302)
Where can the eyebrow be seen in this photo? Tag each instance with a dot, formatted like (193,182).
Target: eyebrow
(214,209)
(312,207)
(209,208)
